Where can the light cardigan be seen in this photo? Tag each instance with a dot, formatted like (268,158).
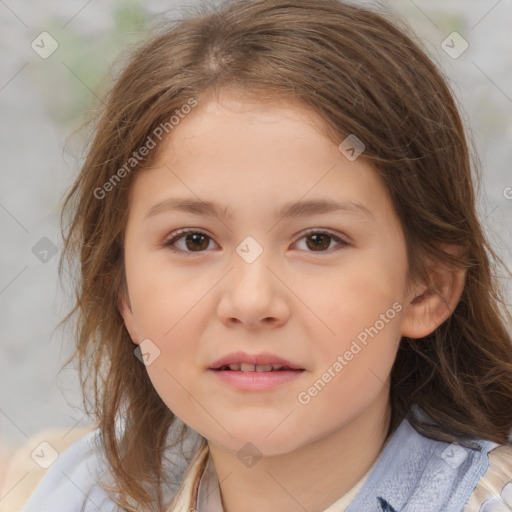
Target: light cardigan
(412,474)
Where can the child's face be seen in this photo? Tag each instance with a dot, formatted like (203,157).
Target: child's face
(306,299)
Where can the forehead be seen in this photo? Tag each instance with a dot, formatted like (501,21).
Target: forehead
(243,154)
(240,108)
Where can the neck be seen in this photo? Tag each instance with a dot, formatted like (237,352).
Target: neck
(313,476)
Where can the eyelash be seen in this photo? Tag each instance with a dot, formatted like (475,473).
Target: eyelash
(177,235)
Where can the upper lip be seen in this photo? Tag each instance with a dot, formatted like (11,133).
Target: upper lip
(263,358)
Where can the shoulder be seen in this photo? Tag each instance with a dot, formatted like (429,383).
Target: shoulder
(494,489)
(419,474)
(70,484)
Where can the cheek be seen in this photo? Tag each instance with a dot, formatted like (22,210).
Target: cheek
(174,388)
(167,310)
(353,299)
(163,296)
(358,342)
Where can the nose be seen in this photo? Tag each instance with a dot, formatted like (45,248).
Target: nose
(254,295)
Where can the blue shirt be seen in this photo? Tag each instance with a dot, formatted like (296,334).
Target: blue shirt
(412,474)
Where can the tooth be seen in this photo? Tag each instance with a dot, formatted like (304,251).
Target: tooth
(247,367)
(276,367)
(263,367)
(235,367)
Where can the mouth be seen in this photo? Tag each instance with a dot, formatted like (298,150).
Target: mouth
(257,372)
(258,368)
(259,363)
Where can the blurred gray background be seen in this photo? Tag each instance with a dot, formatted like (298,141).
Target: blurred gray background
(44,98)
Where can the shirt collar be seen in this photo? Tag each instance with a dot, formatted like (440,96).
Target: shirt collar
(208,494)
(209,498)
(402,478)
(415,473)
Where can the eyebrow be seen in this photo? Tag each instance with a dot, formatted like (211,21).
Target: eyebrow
(290,209)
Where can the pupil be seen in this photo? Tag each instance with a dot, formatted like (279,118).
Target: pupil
(319,245)
(195,237)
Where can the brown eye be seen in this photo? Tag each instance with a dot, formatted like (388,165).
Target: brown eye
(192,241)
(320,241)
(196,241)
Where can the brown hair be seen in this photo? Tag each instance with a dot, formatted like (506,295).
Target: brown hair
(363,75)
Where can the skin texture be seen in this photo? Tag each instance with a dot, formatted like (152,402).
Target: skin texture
(302,304)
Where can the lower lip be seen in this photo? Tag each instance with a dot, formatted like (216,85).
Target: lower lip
(256,381)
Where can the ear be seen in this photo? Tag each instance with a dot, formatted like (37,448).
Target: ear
(430,304)
(125,309)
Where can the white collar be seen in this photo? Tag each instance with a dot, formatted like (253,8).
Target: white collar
(208,494)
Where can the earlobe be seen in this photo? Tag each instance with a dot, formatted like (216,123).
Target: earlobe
(129,319)
(430,305)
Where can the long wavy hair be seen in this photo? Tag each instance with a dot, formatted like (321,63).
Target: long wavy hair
(363,74)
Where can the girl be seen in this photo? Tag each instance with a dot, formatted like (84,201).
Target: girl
(286,300)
